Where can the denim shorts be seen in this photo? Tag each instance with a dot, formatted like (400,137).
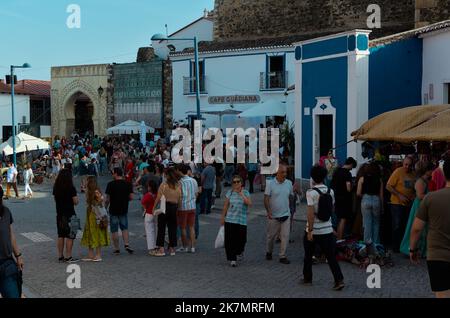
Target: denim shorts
(118,220)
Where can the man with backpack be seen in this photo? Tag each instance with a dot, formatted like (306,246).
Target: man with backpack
(319,230)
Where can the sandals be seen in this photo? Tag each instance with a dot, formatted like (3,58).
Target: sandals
(129,250)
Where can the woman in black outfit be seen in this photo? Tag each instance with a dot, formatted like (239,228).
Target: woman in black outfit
(66,198)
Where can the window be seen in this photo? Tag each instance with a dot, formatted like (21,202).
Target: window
(275,77)
(447,93)
(201,65)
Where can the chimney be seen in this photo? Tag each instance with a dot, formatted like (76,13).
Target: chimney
(205,13)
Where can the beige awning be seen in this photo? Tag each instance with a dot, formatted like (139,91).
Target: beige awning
(419,123)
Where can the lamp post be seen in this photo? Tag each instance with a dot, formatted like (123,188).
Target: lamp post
(25,65)
(162,37)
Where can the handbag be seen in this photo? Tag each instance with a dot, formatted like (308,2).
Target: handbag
(162,205)
(75,226)
(103,223)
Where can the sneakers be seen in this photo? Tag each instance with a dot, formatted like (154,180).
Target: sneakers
(192,250)
(71,260)
(306,282)
(240,257)
(285,261)
(62,259)
(129,249)
(116,252)
(159,254)
(182,250)
(339,286)
(268,256)
(233,264)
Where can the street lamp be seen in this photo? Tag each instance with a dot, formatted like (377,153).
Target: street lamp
(25,65)
(162,37)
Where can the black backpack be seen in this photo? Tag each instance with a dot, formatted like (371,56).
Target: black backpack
(325,207)
(91,170)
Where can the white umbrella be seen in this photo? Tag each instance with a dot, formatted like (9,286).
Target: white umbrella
(268,109)
(130,127)
(24,143)
(220,111)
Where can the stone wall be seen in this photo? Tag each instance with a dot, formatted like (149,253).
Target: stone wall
(431,11)
(252,19)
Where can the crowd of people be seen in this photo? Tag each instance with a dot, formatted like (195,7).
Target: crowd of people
(173,197)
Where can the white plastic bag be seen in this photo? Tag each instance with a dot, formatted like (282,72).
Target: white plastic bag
(162,206)
(220,240)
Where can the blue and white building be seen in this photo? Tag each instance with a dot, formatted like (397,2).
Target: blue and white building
(345,79)
(238,78)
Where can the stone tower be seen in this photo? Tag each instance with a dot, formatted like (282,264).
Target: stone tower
(253,19)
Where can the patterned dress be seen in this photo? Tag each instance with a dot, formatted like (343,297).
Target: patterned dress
(93,235)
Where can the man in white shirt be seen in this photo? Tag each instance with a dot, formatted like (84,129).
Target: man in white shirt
(11,180)
(319,231)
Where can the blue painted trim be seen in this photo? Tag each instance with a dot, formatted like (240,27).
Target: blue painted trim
(362,42)
(351,43)
(326,47)
(267,71)
(298,53)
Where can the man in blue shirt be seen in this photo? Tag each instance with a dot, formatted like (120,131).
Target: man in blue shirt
(276,201)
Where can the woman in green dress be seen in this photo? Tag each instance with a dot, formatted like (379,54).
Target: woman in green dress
(424,171)
(95,236)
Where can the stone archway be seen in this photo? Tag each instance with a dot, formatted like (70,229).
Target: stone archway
(79,86)
(79,111)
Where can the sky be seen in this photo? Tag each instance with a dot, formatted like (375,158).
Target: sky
(36,32)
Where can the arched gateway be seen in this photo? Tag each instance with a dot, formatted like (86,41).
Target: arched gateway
(79,99)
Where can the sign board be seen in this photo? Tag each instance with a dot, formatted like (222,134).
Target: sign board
(235,99)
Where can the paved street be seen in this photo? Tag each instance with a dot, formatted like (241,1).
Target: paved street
(205,274)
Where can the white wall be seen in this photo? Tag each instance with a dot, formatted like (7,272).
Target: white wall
(202,29)
(228,75)
(436,66)
(21,108)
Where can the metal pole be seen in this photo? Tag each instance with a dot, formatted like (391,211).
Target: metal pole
(197,78)
(13,119)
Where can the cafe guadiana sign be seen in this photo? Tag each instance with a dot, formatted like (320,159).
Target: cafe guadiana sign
(235,99)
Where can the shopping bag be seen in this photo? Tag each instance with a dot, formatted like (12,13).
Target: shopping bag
(220,240)
(162,206)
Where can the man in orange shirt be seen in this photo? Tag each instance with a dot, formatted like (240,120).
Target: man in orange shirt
(401,186)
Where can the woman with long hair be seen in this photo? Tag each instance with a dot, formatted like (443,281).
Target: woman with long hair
(66,198)
(371,190)
(171,190)
(424,171)
(94,235)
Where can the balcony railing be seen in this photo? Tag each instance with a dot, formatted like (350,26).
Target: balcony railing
(189,85)
(273,81)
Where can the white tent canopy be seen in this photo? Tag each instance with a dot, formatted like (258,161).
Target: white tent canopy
(268,109)
(220,110)
(130,127)
(24,143)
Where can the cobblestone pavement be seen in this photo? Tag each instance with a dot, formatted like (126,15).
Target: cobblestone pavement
(204,274)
